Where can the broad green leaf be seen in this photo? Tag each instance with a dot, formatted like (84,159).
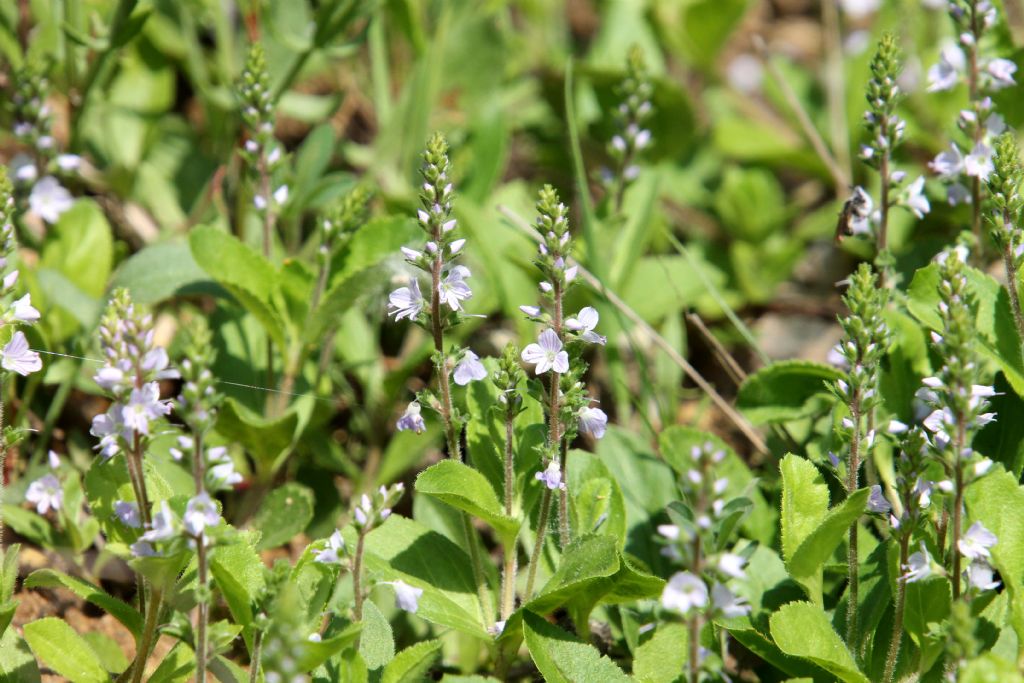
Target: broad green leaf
(412,664)
(120,610)
(809,558)
(406,550)
(761,645)
(244,273)
(787,390)
(462,487)
(803,630)
(177,665)
(989,668)
(660,659)
(804,506)
(997,501)
(599,504)
(161,271)
(283,515)
(314,654)
(108,651)
(27,523)
(65,294)
(57,645)
(313,157)
(264,439)
(17,663)
(107,482)
(563,659)
(377,642)
(238,571)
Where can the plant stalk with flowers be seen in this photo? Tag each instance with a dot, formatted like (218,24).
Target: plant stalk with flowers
(1004,188)
(631,137)
(863,345)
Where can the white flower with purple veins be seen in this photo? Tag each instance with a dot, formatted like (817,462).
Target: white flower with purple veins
(223,475)
(46,494)
(144,405)
(156,361)
(593,421)
(128,514)
(941,423)
(17,357)
(453,290)
(49,199)
(978,164)
(109,427)
(732,565)
(412,419)
(980,576)
(683,592)
(552,476)
(23,310)
(949,163)
(974,544)
(918,566)
(727,603)
(200,513)
(915,199)
(406,302)
(547,354)
(329,554)
(584,323)
(946,73)
(469,368)
(1001,71)
(163,527)
(877,502)
(406,597)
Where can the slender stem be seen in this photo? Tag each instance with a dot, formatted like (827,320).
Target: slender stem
(203,611)
(1011,284)
(697,567)
(148,633)
(883,223)
(974,87)
(357,578)
(257,651)
(555,435)
(851,486)
(3,458)
(268,236)
(508,577)
(958,502)
(897,626)
(538,544)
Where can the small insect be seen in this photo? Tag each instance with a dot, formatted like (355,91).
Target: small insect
(853,218)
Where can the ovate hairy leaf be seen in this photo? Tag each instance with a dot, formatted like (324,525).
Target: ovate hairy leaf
(803,630)
(563,659)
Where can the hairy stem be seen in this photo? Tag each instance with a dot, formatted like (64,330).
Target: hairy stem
(357,578)
(1011,285)
(897,626)
(508,576)
(538,544)
(3,460)
(257,652)
(973,86)
(148,636)
(883,222)
(555,425)
(958,503)
(203,608)
(851,486)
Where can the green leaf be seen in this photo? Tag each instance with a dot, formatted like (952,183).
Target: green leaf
(804,506)
(57,645)
(238,571)
(406,550)
(377,643)
(660,659)
(283,515)
(563,659)
(120,610)
(758,643)
(28,524)
(264,439)
(245,274)
(809,558)
(803,630)
(412,664)
(161,271)
(177,665)
(314,654)
(787,390)
(108,651)
(17,664)
(997,501)
(462,487)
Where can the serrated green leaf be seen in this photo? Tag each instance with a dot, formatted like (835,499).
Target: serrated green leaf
(785,390)
(377,643)
(238,571)
(761,645)
(660,659)
(57,645)
(563,659)
(161,271)
(241,271)
(283,515)
(108,651)
(120,610)
(804,506)
(803,630)
(462,487)
(412,664)
(810,556)
(314,654)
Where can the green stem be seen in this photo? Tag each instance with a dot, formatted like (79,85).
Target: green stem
(257,651)
(1011,285)
(538,544)
(851,486)
(203,611)
(357,578)
(148,633)
(508,576)
(897,626)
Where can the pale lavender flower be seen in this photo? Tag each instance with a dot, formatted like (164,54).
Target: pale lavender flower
(17,357)
(128,514)
(980,576)
(363,511)
(918,566)
(728,604)
(949,163)
(669,531)
(412,419)
(531,311)
(49,199)
(406,302)
(406,597)
(946,73)
(957,193)
(109,426)
(974,544)
(68,162)
(552,476)
(23,169)
(1001,71)
(978,163)
(223,475)
(46,494)
(469,368)
(144,405)
(547,354)
(732,564)
(593,421)
(23,310)
(915,199)
(200,513)
(163,527)
(109,377)
(877,502)
(584,324)
(53,459)
(683,592)
(142,549)
(453,290)
(330,553)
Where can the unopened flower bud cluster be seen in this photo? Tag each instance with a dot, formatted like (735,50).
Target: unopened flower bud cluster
(16,355)
(1005,200)
(632,137)
(261,150)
